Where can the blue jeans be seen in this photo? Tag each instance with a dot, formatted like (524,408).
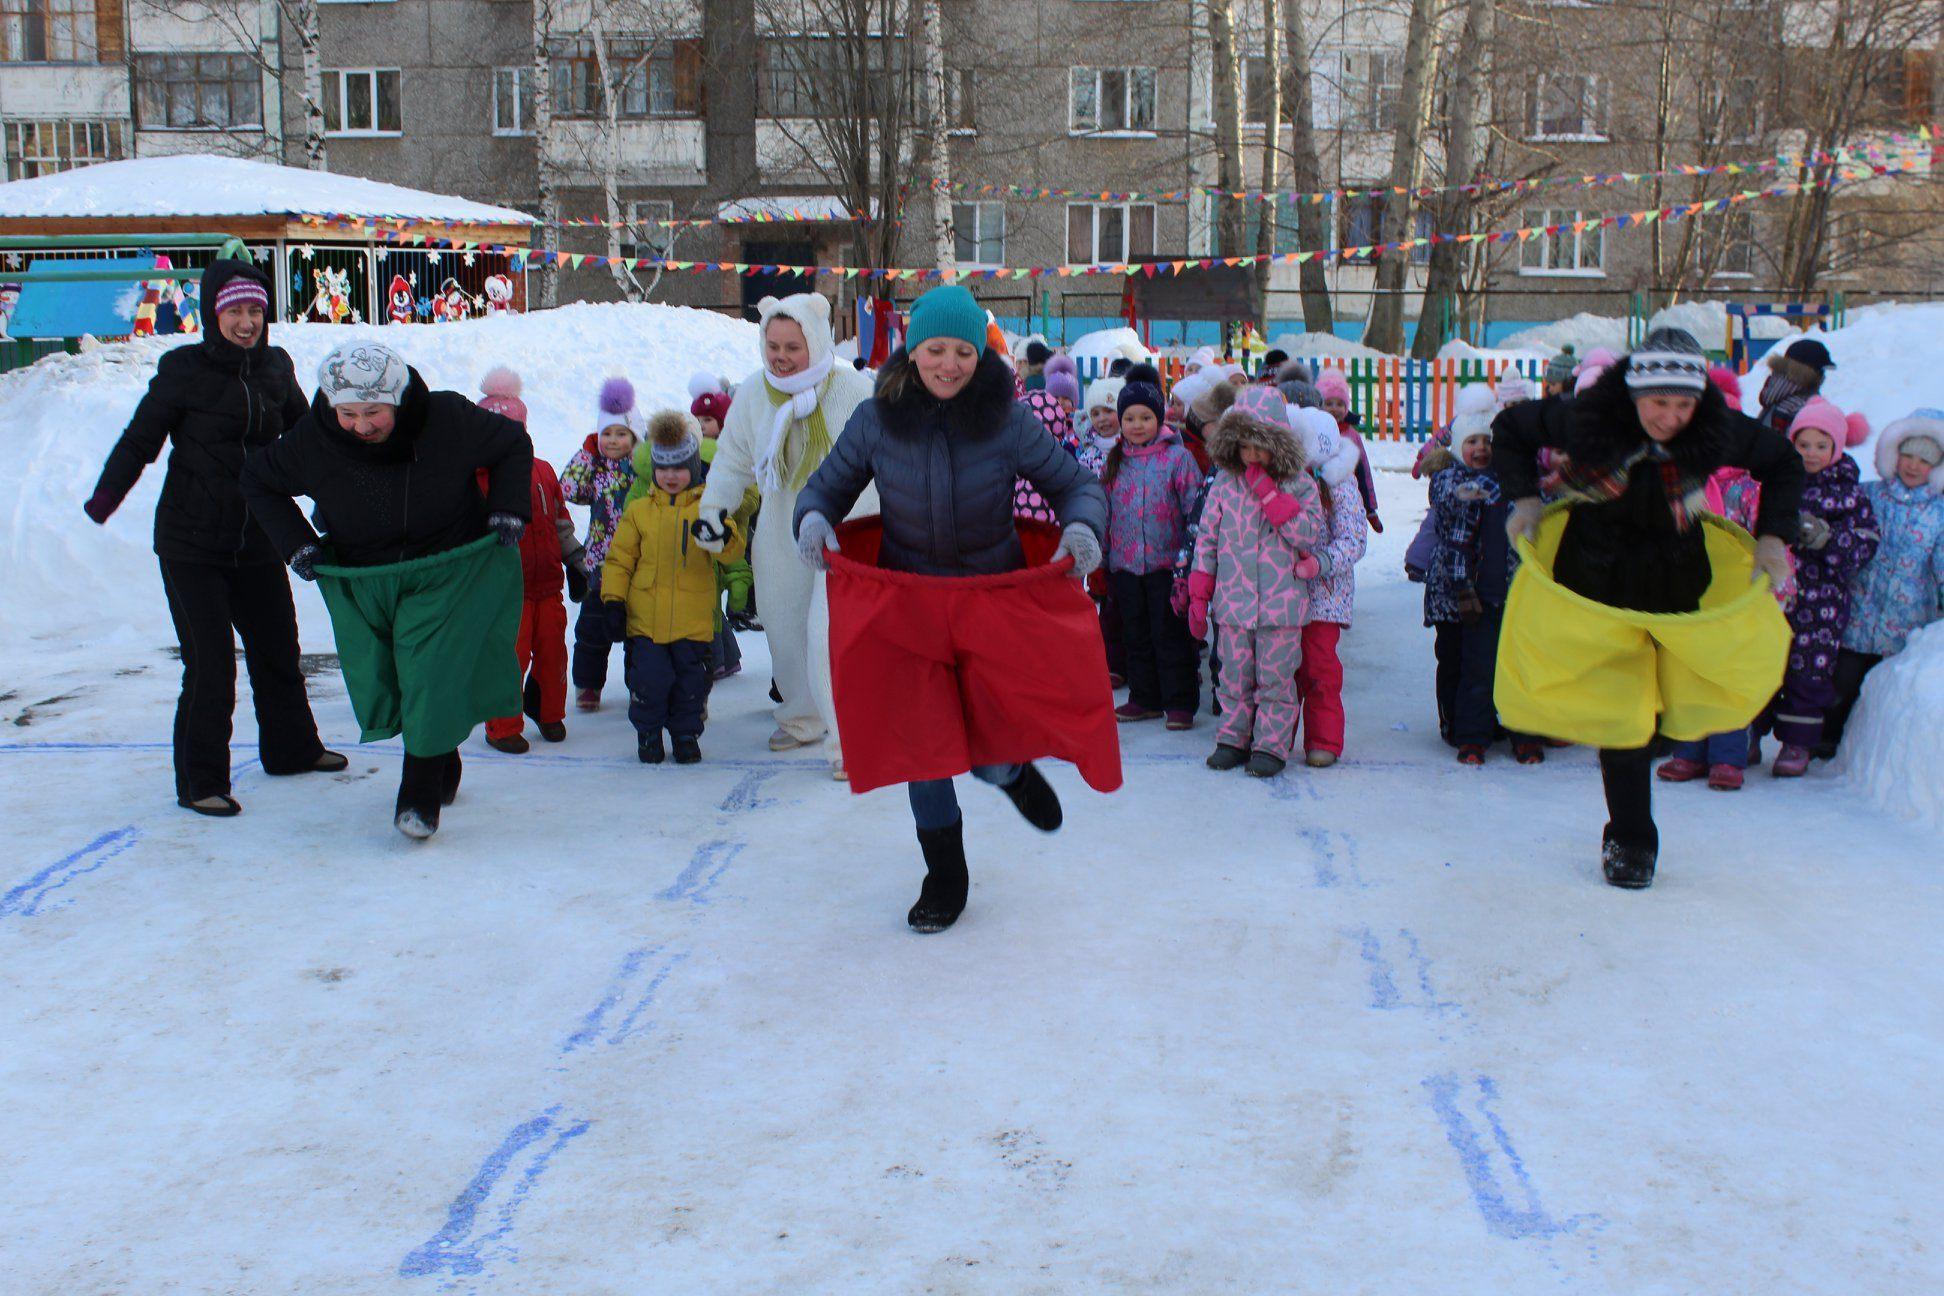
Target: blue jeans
(935,805)
(1729,748)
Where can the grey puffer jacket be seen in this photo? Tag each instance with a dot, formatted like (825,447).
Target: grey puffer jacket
(945,472)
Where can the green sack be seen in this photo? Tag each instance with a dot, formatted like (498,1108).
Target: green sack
(427,646)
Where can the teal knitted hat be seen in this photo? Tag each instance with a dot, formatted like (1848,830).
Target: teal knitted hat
(948,310)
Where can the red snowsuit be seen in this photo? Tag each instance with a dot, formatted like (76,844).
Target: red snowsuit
(936,674)
(542,646)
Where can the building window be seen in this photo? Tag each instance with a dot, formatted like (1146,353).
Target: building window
(981,231)
(820,76)
(38,148)
(1730,113)
(361,101)
(1728,241)
(1109,233)
(645,235)
(1567,106)
(47,31)
(1373,85)
(198,92)
(1111,99)
(1560,248)
(512,101)
(1255,93)
(1363,225)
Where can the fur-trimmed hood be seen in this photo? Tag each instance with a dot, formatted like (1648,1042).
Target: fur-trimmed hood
(1805,376)
(1606,429)
(980,410)
(1923,423)
(1237,428)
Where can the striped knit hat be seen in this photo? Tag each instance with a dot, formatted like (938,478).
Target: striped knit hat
(1668,362)
(239,290)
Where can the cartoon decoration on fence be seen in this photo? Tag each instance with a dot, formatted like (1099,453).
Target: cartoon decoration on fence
(499,295)
(398,301)
(332,302)
(451,303)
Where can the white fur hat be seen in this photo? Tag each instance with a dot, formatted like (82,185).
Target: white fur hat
(1329,454)
(1104,392)
(1472,413)
(811,311)
(1919,423)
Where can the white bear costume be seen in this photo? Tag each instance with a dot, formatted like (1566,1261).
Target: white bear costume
(763,443)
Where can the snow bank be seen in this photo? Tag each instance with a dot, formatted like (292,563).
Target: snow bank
(1889,361)
(1582,332)
(203,184)
(1102,347)
(64,577)
(1306,346)
(1459,349)
(1894,746)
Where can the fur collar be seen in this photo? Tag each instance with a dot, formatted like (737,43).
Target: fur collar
(1606,429)
(1237,429)
(981,409)
(1806,377)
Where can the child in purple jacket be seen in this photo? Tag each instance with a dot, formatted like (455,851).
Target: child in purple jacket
(1152,487)
(1839,535)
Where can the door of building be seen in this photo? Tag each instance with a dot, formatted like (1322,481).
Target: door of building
(757,286)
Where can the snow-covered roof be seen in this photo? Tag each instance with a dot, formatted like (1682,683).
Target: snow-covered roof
(806,207)
(204,184)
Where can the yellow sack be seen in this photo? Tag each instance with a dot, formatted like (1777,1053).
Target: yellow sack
(1571,668)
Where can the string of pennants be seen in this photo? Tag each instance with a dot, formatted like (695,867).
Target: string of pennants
(524,256)
(1875,154)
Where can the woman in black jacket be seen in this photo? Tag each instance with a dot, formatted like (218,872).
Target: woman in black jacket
(394,470)
(214,401)
(1642,443)
(945,442)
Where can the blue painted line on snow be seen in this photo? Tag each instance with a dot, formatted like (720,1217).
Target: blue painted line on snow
(590,1026)
(747,794)
(705,868)
(628,1027)
(28,899)
(1442,1007)
(469,1243)
(1383,990)
(1488,1193)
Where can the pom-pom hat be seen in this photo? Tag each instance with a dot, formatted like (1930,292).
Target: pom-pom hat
(617,408)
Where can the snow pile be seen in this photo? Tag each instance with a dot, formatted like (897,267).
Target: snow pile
(1582,332)
(1708,322)
(1102,347)
(203,184)
(66,578)
(1459,349)
(1894,745)
(1306,346)
(1889,361)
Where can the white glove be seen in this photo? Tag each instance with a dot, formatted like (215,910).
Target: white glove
(814,538)
(1523,521)
(1079,543)
(711,530)
(1772,560)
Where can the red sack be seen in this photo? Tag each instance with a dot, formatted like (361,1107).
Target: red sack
(935,674)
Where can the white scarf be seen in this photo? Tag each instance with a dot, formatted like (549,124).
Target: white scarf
(801,388)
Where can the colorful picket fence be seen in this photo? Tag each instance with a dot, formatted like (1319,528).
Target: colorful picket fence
(1396,399)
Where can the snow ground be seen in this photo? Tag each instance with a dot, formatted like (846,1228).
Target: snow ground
(1373,1029)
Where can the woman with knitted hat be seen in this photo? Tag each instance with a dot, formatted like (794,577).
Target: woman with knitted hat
(230,393)
(1641,442)
(944,441)
(780,428)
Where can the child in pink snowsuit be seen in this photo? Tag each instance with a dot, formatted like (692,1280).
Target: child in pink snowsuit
(1251,576)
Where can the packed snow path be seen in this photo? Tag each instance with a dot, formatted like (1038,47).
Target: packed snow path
(1378,1028)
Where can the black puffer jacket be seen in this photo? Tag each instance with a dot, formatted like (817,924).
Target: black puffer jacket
(1628,552)
(215,402)
(414,494)
(945,472)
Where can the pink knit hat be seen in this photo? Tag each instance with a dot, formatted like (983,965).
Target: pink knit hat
(1845,430)
(241,289)
(1330,383)
(1727,383)
(501,388)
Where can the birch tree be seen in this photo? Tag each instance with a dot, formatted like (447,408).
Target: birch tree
(1385,329)
(1306,172)
(944,241)
(1464,154)
(1268,212)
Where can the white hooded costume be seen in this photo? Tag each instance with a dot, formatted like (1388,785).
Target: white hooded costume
(765,442)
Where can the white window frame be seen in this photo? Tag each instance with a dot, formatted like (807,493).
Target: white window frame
(343,76)
(1734,226)
(648,238)
(983,214)
(522,101)
(1547,217)
(1130,75)
(1127,226)
(16,133)
(1595,131)
(1356,109)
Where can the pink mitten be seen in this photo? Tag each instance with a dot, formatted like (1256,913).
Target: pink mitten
(1259,481)
(1306,567)
(1198,618)
(1278,507)
(1201,586)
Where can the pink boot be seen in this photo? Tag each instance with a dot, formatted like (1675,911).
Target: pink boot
(1791,762)
(1681,770)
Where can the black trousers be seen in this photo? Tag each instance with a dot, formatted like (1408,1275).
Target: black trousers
(1851,667)
(1467,666)
(668,686)
(214,606)
(1628,776)
(427,782)
(1162,674)
(592,642)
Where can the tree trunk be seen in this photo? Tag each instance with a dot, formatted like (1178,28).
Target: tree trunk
(611,165)
(1228,128)
(1462,158)
(546,235)
(1385,331)
(1306,173)
(944,242)
(1267,212)
(309,44)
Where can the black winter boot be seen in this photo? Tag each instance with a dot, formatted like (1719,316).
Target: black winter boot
(1035,799)
(420,781)
(649,750)
(1628,864)
(1225,757)
(688,749)
(942,899)
(1264,764)
(449,785)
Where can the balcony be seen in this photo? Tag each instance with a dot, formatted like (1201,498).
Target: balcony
(656,151)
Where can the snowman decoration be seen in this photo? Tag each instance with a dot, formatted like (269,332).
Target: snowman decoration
(451,303)
(499,295)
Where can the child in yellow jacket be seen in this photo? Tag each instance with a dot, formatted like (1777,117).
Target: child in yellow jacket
(658,588)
